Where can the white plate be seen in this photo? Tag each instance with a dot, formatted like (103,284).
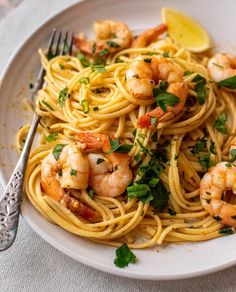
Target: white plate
(172,261)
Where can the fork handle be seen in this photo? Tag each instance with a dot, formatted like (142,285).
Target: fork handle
(11,198)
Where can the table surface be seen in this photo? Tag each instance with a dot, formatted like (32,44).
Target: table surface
(31,264)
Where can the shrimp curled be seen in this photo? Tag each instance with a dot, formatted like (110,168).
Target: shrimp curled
(142,77)
(222,66)
(113,36)
(70,171)
(109,173)
(214,183)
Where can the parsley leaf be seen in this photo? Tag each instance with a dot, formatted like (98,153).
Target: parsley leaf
(124,256)
(73,172)
(84,80)
(57,150)
(227,231)
(104,52)
(85,106)
(233,155)
(83,60)
(63,95)
(140,191)
(165,54)
(228,82)
(220,123)
(113,44)
(199,146)
(91,193)
(117,147)
(200,88)
(205,162)
(160,196)
(164,99)
(100,68)
(52,137)
(100,160)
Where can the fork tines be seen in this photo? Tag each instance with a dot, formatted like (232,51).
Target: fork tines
(62,46)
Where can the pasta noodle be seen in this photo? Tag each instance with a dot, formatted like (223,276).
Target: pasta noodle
(96,100)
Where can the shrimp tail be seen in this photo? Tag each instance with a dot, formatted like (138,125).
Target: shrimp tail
(95,141)
(146,121)
(79,208)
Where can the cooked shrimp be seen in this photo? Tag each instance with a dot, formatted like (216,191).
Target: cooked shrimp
(113,36)
(222,66)
(70,171)
(214,185)
(147,37)
(109,174)
(141,78)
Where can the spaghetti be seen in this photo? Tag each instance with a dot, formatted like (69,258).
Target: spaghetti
(174,154)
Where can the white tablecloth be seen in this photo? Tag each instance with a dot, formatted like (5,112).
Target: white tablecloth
(31,264)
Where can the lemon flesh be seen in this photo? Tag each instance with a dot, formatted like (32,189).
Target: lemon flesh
(185,31)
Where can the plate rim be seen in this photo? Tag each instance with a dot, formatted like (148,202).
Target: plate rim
(50,239)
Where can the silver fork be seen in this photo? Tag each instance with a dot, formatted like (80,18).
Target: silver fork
(10,199)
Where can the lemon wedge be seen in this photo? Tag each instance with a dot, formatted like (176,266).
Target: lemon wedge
(185,31)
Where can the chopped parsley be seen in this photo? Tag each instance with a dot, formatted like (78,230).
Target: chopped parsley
(205,162)
(84,80)
(100,68)
(91,193)
(187,73)
(52,137)
(83,60)
(220,123)
(141,191)
(147,60)
(212,148)
(165,54)
(62,67)
(171,212)
(137,157)
(233,155)
(124,256)
(57,150)
(200,88)
(199,146)
(228,82)
(113,44)
(73,172)
(63,95)
(117,147)
(100,160)
(166,99)
(85,106)
(153,121)
(104,52)
(227,231)
(96,108)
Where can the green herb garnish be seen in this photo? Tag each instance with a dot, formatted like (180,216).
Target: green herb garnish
(52,137)
(100,68)
(85,106)
(227,231)
(84,80)
(117,147)
(171,212)
(220,123)
(200,88)
(83,60)
(165,54)
(147,60)
(100,160)
(113,44)
(57,150)
(91,193)
(166,99)
(124,256)
(104,52)
(228,82)
(63,95)
(73,172)
(199,146)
